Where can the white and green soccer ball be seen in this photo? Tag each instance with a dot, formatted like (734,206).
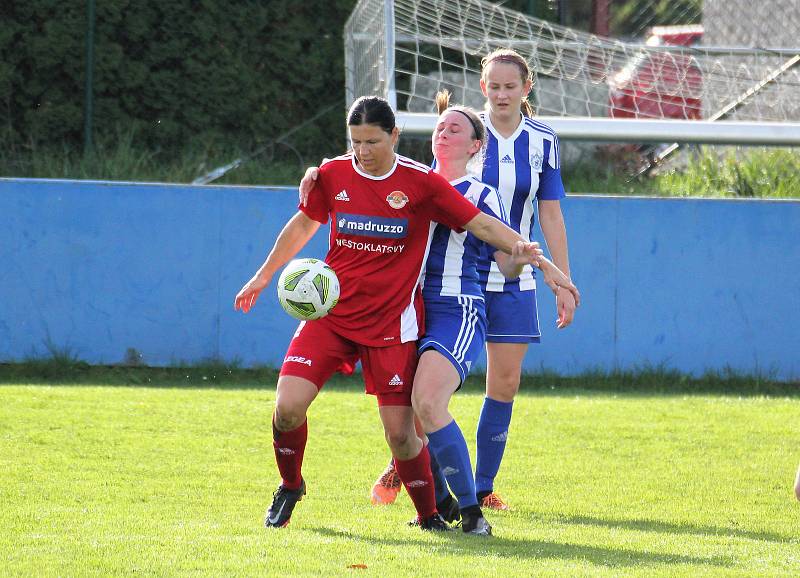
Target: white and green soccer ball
(308,289)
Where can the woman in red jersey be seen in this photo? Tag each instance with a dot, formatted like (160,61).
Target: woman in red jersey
(381,206)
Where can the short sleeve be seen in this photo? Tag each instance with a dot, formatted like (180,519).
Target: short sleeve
(491,204)
(448,206)
(551,187)
(318,207)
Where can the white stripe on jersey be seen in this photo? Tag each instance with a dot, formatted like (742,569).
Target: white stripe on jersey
(454,254)
(469,319)
(453,264)
(344,157)
(513,164)
(409,328)
(412,164)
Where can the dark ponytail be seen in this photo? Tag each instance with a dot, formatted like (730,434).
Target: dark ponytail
(372,110)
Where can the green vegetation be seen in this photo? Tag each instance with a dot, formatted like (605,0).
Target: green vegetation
(122,158)
(176,73)
(760,173)
(707,172)
(742,173)
(173,479)
(64,367)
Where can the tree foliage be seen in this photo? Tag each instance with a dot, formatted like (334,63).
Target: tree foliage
(175,72)
(195,72)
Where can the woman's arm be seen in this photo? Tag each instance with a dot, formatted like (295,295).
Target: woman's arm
(502,237)
(291,239)
(308,182)
(511,268)
(551,220)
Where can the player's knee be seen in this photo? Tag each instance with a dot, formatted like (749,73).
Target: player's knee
(288,418)
(503,386)
(427,411)
(398,439)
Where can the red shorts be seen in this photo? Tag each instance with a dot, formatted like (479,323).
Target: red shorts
(316,352)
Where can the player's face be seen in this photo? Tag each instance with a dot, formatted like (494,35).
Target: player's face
(373,147)
(454,139)
(504,88)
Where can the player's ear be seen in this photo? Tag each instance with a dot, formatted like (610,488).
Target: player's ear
(526,90)
(395,136)
(483,88)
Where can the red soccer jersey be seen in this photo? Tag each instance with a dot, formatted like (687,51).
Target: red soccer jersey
(380,232)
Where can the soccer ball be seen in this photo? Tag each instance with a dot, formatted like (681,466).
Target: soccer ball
(308,289)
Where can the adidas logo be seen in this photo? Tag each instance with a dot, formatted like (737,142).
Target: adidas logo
(417,483)
(501,437)
(448,471)
(507,159)
(342,196)
(286,451)
(395,381)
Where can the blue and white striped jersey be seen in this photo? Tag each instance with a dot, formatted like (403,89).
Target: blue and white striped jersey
(451,268)
(523,167)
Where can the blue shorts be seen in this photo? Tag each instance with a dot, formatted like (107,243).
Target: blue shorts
(511,317)
(456,328)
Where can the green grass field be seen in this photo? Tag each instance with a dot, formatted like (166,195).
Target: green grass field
(173,479)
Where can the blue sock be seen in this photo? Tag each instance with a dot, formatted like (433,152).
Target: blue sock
(492,434)
(439,482)
(452,454)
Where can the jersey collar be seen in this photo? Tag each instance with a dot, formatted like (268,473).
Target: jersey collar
(500,137)
(369,176)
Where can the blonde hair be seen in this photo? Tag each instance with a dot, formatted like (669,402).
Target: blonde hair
(509,56)
(478,128)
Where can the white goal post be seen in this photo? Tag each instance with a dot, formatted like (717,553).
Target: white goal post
(406,50)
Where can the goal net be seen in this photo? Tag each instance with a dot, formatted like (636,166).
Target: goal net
(406,50)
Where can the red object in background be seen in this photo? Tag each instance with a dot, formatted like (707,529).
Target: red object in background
(660,84)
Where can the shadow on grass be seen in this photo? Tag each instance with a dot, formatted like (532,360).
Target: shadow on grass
(671,528)
(460,544)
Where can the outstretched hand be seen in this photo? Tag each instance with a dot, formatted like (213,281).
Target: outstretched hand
(526,253)
(248,295)
(568,298)
(307,184)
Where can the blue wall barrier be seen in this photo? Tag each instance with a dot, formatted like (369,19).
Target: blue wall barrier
(100,270)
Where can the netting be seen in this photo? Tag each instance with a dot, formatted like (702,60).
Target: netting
(408,49)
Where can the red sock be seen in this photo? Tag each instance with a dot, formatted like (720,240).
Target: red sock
(417,478)
(289,447)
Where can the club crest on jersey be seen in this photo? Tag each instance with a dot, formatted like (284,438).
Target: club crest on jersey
(536,160)
(397,199)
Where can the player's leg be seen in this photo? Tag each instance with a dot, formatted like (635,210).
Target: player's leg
(387,486)
(289,434)
(503,373)
(434,384)
(290,426)
(389,375)
(512,324)
(453,342)
(313,355)
(412,460)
